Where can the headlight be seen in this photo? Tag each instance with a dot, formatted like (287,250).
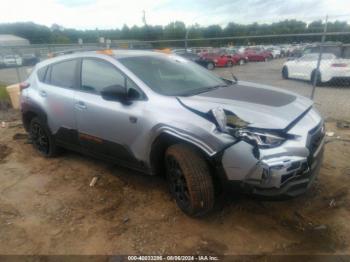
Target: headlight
(220,118)
(263,140)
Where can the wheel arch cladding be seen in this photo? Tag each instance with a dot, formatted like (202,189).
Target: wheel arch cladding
(29,111)
(159,146)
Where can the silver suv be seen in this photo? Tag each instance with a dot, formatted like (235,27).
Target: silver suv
(162,114)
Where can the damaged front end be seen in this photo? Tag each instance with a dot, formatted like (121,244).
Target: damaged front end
(275,163)
(270,162)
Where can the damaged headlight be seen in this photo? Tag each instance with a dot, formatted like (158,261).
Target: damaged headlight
(226,121)
(220,118)
(261,139)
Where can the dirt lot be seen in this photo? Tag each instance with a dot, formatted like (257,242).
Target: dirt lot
(48,207)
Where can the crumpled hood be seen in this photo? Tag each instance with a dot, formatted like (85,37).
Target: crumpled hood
(260,105)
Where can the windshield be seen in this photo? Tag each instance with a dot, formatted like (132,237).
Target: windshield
(172,75)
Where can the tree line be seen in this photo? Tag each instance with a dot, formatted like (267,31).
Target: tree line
(40,34)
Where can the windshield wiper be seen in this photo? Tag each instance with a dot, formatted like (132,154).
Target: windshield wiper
(206,89)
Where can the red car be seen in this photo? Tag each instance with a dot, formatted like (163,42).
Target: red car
(257,54)
(237,58)
(220,60)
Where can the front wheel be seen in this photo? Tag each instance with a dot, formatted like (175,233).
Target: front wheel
(210,66)
(285,73)
(189,180)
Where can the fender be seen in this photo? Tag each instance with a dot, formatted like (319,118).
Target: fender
(28,109)
(209,146)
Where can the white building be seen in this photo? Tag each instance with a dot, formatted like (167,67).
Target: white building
(12,40)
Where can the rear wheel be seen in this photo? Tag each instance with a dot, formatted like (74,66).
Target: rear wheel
(229,64)
(315,80)
(210,66)
(41,138)
(285,73)
(189,180)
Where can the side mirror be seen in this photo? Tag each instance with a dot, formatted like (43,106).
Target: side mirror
(114,93)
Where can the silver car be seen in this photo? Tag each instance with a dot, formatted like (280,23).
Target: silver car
(162,114)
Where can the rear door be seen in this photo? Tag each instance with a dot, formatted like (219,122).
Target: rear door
(56,92)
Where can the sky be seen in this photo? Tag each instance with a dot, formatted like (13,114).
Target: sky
(108,14)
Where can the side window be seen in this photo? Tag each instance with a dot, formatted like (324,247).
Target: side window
(41,73)
(97,74)
(135,92)
(63,74)
(308,57)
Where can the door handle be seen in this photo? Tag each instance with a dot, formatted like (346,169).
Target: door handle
(43,93)
(80,105)
(133,119)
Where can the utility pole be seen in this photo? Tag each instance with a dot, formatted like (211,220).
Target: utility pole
(186,37)
(317,73)
(144,17)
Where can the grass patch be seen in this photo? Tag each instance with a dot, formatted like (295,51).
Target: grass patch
(3,93)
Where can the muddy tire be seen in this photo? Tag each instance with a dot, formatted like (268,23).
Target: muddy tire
(189,180)
(285,74)
(41,137)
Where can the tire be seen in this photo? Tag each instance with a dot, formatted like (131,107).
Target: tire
(241,62)
(210,66)
(285,73)
(189,180)
(266,59)
(42,139)
(318,80)
(229,64)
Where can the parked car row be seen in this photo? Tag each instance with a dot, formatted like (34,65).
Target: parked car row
(13,60)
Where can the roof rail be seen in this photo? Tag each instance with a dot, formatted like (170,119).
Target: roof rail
(72,51)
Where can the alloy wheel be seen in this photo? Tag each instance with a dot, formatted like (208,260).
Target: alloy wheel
(40,138)
(177,181)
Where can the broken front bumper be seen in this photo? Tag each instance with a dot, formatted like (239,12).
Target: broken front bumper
(286,170)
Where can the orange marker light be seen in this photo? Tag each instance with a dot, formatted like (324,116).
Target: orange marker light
(105,52)
(165,50)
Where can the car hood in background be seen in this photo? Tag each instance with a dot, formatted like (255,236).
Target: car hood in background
(260,105)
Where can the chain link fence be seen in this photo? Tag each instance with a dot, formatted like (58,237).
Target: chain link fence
(309,65)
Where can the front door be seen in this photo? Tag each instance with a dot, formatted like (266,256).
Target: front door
(106,127)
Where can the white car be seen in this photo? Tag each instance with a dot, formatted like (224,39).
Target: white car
(304,68)
(12,60)
(275,51)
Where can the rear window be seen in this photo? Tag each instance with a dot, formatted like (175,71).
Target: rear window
(63,74)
